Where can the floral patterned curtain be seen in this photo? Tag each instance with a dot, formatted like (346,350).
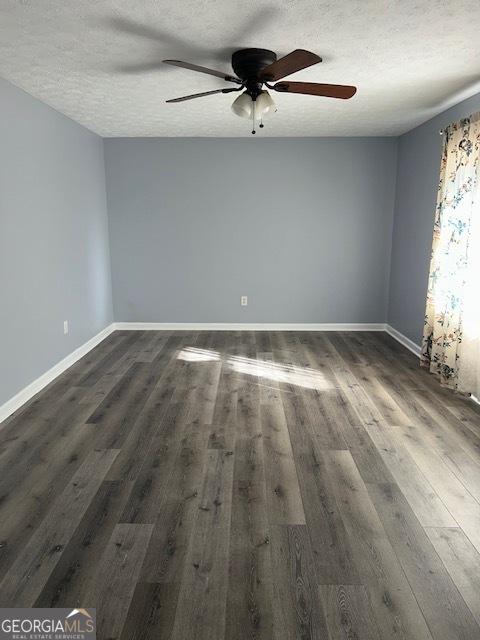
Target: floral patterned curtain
(458,208)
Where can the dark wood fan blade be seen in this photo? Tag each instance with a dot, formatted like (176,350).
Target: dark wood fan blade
(196,67)
(295,61)
(201,95)
(315,89)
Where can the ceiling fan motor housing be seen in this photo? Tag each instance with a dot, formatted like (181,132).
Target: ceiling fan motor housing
(249,63)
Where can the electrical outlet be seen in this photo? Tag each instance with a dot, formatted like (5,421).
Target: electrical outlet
(244,301)
(65,327)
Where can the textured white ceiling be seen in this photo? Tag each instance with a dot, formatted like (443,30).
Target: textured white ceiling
(409,59)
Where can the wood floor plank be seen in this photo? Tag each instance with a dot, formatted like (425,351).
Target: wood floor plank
(152,611)
(26,578)
(348,612)
(444,429)
(357,431)
(156,342)
(223,427)
(71,582)
(269,389)
(458,500)
(390,410)
(201,604)
(297,608)
(249,599)
(117,414)
(397,461)
(32,446)
(97,393)
(38,489)
(444,609)
(332,554)
(249,596)
(465,411)
(117,576)
(152,483)
(462,561)
(284,502)
(298,418)
(177,509)
(393,602)
(154,413)
(465,468)
(333,419)
(92,374)
(332,551)
(148,492)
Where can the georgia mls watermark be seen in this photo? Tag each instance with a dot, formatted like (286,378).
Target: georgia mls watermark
(47,624)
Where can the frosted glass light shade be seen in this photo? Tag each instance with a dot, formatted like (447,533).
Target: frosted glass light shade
(264,105)
(242,106)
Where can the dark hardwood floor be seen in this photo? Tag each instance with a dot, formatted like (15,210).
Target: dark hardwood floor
(246,485)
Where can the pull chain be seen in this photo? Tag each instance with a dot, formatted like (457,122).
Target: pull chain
(253,118)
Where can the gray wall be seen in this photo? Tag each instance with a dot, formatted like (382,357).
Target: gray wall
(419,153)
(301,226)
(54,257)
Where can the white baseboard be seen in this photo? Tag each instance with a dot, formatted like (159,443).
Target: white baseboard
(37,385)
(399,337)
(254,326)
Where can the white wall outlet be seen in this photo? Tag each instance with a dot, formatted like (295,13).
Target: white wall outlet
(244,301)
(65,327)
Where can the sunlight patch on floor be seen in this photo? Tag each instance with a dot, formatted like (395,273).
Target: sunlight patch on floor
(192,354)
(286,373)
(265,369)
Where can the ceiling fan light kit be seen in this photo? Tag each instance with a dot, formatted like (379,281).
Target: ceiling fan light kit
(256,108)
(255,68)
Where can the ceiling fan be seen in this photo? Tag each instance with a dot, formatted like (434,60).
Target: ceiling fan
(254,68)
